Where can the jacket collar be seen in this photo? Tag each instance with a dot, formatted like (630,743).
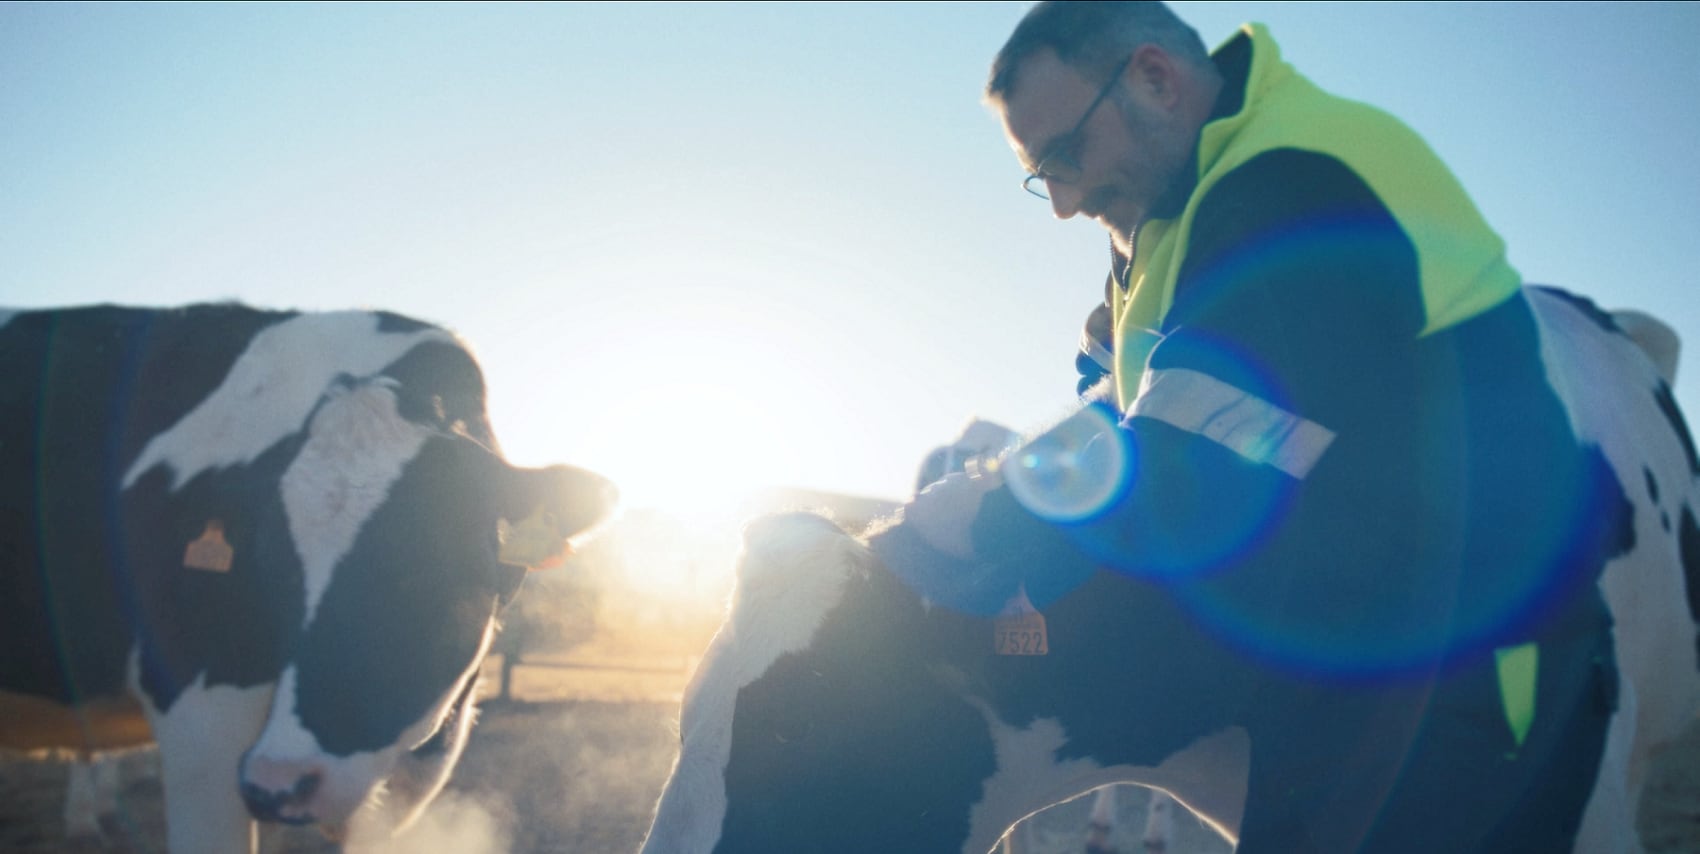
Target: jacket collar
(1234,60)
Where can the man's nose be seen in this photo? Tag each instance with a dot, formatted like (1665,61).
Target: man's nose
(1065,198)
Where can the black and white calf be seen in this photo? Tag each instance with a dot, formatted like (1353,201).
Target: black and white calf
(981,440)
(274,543)
(838,711)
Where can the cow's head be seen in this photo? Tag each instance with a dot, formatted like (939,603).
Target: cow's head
(411,535)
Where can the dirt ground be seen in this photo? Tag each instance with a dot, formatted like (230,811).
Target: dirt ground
(537,778)
(547,777)
(581,776)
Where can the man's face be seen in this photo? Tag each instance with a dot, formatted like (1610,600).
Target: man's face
(1129,150)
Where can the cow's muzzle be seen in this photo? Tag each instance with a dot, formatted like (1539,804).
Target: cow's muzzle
(280,791)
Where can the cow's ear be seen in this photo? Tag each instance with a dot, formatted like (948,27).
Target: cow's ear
(544,510)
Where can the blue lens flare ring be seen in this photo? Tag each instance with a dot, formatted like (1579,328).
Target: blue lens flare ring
(1075,470)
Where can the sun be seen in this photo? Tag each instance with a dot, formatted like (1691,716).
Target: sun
(687,406)
(699,450)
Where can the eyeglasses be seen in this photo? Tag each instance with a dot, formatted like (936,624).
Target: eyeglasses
(1060,164)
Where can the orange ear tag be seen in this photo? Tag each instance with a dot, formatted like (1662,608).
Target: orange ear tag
(1020,629)
(210,552)
(554,561)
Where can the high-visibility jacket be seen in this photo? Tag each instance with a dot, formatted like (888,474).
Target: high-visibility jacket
(1462,266)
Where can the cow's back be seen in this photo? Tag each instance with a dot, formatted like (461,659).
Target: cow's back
(1613,371)
(86,388)
(1618,398)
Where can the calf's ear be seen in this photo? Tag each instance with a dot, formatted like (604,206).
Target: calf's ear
(544,510)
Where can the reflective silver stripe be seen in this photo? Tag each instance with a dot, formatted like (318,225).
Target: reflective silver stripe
(1249,426)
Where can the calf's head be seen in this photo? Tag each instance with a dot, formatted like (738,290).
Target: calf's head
(410,537)
(822,717)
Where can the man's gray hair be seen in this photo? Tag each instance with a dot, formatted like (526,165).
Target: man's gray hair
(1092,37)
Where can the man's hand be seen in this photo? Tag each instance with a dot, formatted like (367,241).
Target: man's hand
(980,440)
(943,513)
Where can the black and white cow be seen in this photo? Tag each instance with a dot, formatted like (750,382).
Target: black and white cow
(838,711)
(274,543)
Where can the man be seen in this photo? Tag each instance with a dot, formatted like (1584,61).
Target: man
(1328,405)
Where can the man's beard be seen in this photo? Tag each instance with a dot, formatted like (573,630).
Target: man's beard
(1155,187)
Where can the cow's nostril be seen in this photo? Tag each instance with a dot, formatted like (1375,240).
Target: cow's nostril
(306,787)
(262,804)
(286,805)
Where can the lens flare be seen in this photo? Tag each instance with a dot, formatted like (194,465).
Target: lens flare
(1074,471)
(1506,570)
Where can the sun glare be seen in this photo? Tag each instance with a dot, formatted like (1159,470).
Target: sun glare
(684,404)
(697,452)
(700,402)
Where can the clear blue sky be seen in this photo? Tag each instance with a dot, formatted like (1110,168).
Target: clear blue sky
(704,246)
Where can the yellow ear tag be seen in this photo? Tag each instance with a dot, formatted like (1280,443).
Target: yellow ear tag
(1020,628)
(209,551)
(533,543)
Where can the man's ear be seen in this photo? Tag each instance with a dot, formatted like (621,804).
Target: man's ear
(542,511)
(1153,75)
